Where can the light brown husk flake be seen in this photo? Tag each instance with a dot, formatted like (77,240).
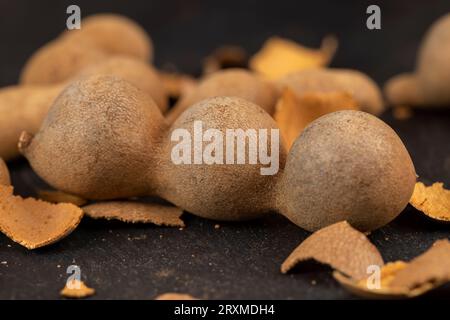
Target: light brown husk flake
(293,113)
(35,223)
(175,296)
(406,280)
(77,289)
(136,212)
(433,201)
(431,267)
(339,246)
(279,57)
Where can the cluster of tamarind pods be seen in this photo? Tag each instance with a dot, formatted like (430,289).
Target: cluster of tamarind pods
(90,115)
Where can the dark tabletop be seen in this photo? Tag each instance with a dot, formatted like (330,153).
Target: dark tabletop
(237,260)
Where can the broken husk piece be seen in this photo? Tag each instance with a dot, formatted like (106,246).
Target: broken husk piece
(293,113)
(341,247)
(433,201)
(360,86)
(175,296)
(136,212)
(279,57)
(35,223)
(76,289)
(406,280)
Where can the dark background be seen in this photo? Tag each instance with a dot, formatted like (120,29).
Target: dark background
(238,260)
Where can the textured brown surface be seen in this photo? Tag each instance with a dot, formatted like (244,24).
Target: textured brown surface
(139,73)
(294,113)
(347,165)
(115,133)
(428,86)
(135,212)
(220,191)
(434,201)
(4,174)
(34,223)
(339,246)
(230,82)
(101,36)
(77,290)
(431,267)
(363,89)
(175,296)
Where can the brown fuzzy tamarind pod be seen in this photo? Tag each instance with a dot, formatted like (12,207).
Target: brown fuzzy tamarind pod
(347,165)
(429,84)
(104,139)
(229,82)
(221,191)
(100,36)
(113,126)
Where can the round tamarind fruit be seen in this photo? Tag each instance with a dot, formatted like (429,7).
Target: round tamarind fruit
(100,36)
(114,131)
(221,191)
(229,82)
(347,165)
(111,141)
(428,85)
(361,87)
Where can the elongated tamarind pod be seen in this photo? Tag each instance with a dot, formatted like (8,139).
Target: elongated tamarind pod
(111,141)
